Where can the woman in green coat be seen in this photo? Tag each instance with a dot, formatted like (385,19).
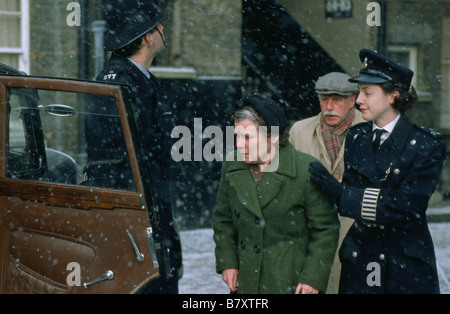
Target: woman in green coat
(275,231)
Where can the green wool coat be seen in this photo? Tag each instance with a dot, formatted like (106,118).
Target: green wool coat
(278,233)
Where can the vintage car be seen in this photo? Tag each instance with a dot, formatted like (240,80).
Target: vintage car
(61,230)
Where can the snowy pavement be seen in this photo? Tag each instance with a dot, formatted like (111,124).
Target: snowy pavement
(199,262)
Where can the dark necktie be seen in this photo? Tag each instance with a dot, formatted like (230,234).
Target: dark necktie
(376,141)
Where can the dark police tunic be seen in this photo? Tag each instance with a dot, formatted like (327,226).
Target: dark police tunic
(389,247)
(154,118)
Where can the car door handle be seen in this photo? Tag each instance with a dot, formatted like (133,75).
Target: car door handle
(107,276)
(139,255)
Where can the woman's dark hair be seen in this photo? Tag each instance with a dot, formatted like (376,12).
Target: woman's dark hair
(247,112)
(406,99)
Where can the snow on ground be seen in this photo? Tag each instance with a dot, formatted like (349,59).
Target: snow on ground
(441,238)
(200,276)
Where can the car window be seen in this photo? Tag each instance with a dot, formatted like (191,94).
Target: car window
(68,138)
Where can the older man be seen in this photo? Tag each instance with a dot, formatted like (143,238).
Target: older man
(323,136)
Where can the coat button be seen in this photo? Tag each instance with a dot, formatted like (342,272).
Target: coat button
(236,213)
(242,245)
(381,257)
(354,255)
(257,220)
(413,142)
(257,248)
(397,171)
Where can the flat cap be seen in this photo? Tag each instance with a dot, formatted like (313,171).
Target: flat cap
(377,69)
(336,83)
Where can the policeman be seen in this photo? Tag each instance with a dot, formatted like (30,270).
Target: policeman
(392,167)
(135,36)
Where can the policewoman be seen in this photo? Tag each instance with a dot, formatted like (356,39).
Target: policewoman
(135,36)
(392,167)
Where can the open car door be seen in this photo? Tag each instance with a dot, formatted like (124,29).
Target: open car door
(63,229)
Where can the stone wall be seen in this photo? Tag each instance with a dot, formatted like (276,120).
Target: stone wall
(205,35)
(53,44)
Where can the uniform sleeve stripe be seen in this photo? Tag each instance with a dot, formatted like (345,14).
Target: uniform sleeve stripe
(369,204)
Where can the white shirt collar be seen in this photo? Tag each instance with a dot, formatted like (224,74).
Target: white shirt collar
(388,128)
(140,67)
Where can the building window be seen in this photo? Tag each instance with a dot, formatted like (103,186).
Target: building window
(406,56)
(15,34)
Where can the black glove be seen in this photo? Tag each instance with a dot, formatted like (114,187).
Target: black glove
(321,176)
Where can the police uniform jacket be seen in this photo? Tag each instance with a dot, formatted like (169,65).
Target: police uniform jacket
(389,248)
(153,116)
(278,233)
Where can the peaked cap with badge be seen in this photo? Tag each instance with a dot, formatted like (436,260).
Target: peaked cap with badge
(127,20)
(377,69)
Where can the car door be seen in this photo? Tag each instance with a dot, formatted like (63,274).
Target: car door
(69,222)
